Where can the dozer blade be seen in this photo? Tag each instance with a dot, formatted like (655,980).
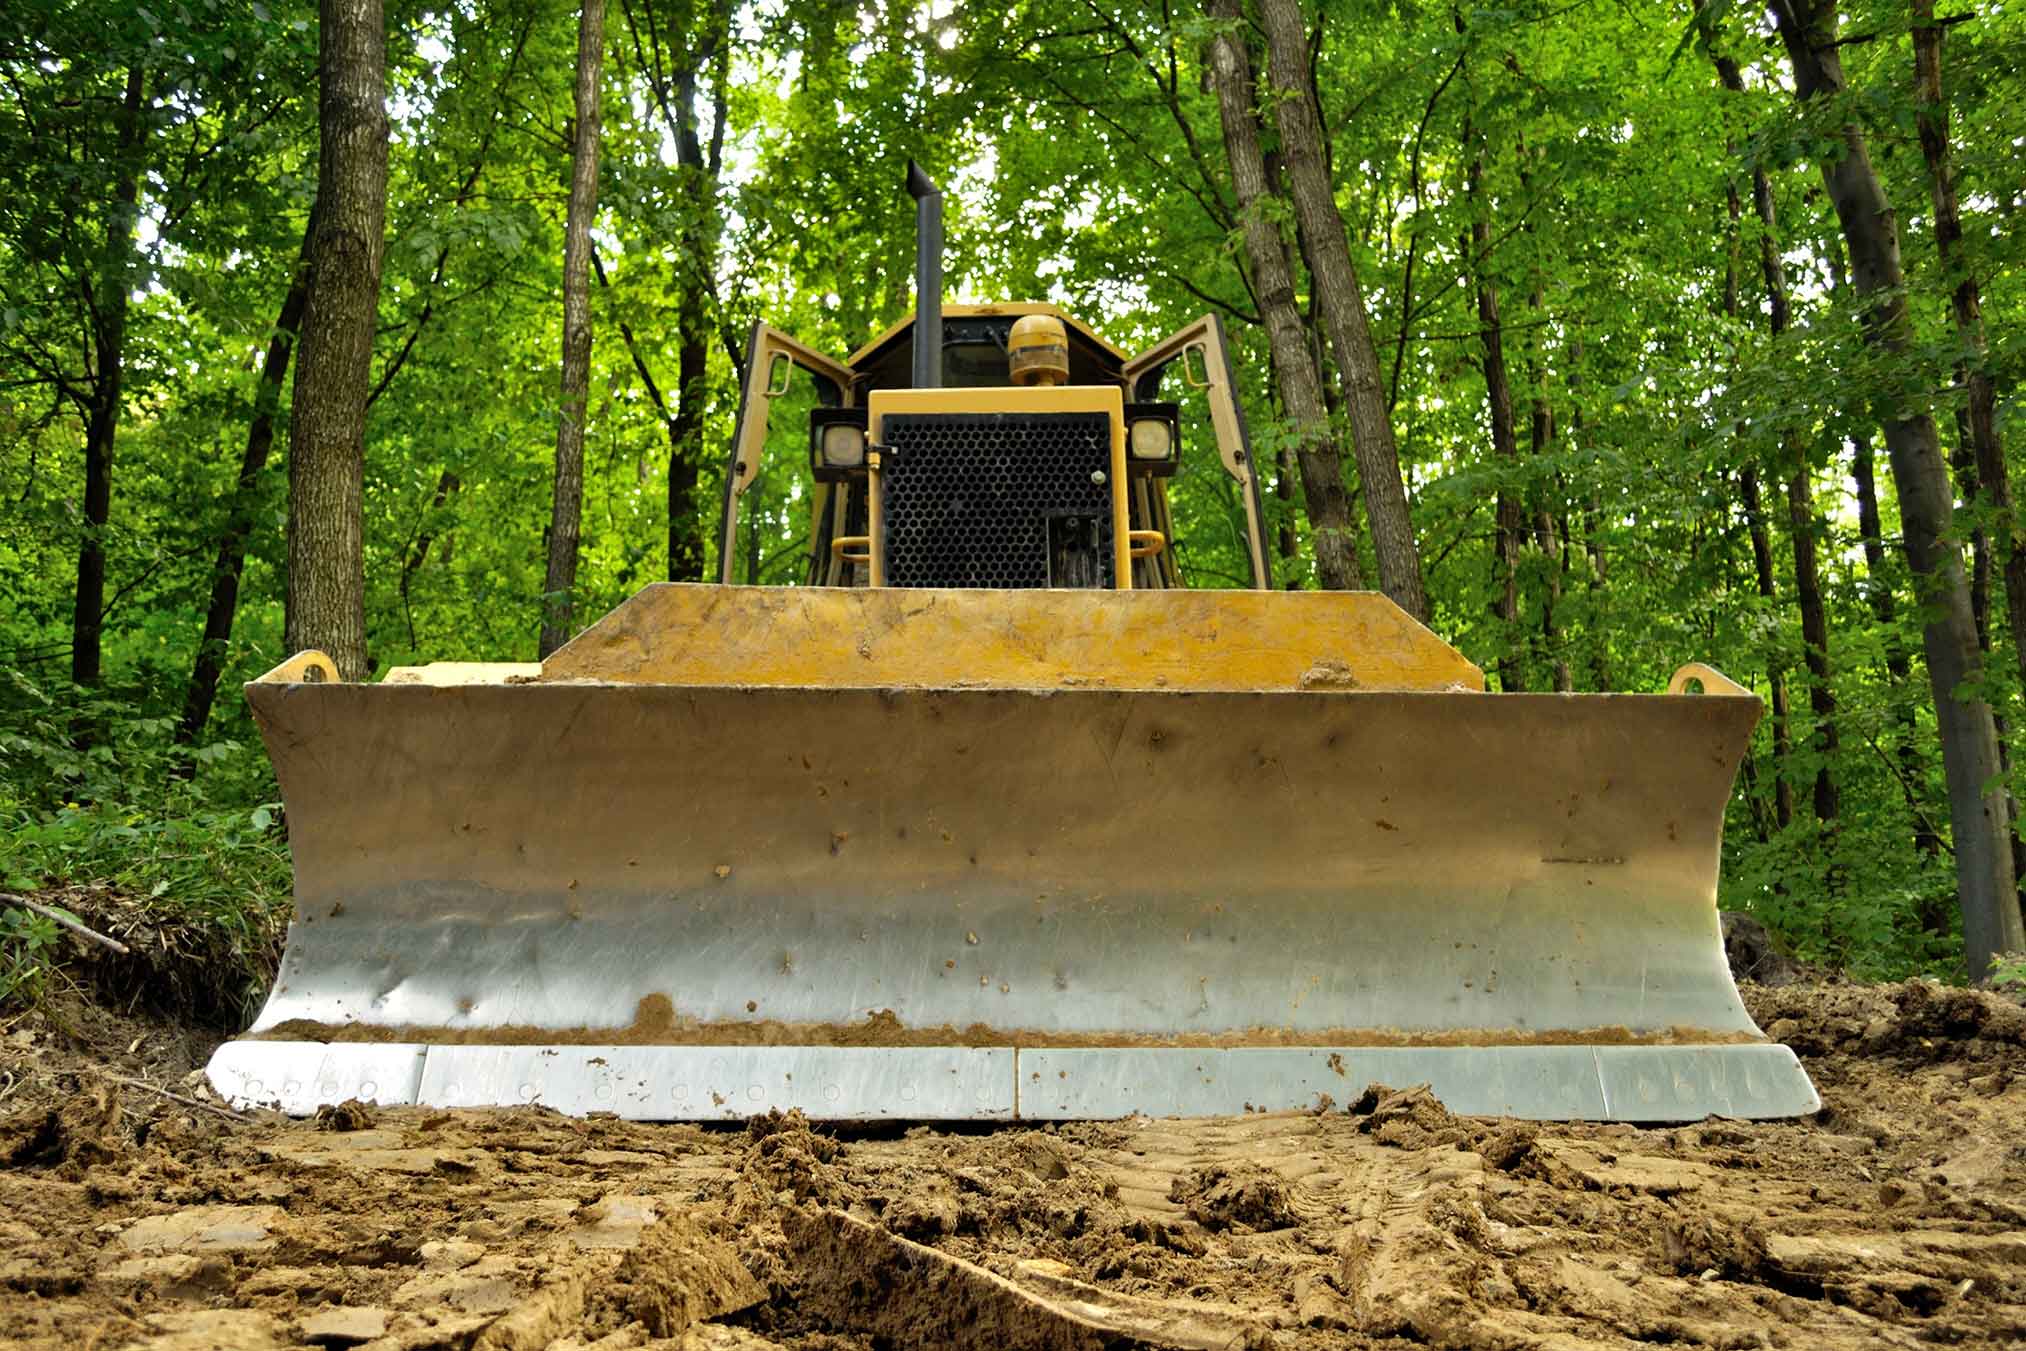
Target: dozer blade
(629,885)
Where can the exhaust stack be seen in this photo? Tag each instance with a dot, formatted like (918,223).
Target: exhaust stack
(928,335)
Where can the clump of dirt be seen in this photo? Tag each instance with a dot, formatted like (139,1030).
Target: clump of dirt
(781,1164)
(785,1155)
(1916,1021)
(1959,1015)
(349,1115)
(922,1215)
(1508,1147)
(1696,1241)
(679,1275)
(1407,1118)
(1234,1196)
(71,1136)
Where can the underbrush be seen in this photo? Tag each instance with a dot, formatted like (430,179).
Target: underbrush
(177,853)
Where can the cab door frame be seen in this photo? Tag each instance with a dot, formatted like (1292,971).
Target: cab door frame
(1205,339)
(771,357)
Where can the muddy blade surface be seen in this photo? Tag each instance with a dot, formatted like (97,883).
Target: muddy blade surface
(701,902)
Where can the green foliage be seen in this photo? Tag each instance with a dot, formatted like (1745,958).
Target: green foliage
(1080,146)
(28,944)
(2008,973)
(124,810)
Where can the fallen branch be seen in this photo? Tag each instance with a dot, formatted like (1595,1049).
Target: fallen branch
(159,1091)
(51,913)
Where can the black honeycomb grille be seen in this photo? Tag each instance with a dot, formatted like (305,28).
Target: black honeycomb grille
(968,497)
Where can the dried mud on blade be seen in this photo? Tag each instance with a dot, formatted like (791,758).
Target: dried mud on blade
(700,901)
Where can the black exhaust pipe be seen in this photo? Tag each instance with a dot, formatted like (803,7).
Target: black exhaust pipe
(928,336)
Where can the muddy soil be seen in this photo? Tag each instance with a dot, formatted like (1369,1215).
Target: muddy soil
(1897,1217)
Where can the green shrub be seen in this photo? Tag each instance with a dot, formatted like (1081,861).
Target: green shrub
(184,843)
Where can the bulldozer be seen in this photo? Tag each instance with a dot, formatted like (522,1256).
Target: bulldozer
(992,818)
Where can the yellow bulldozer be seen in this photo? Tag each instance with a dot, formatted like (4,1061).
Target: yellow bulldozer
(994,820)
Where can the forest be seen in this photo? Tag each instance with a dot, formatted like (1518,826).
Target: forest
(1602,336)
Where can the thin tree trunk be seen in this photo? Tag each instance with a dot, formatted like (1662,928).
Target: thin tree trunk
(1802,521)
(1510,517)
(1762,567)
(1970,488)
(1885,609)
(418,552)
(1342,302)
(1871,533)
(1541,430)
(1553,557)
(1977,810)
(1762,544)
(1322,477)
(1285,543)
(1966,306)
(1597,584)
(1541,437)
(1884,602)
(327,414)
(567,510)
(686,453)
(108,308)
(685,440)
(1803,524)
(224,607)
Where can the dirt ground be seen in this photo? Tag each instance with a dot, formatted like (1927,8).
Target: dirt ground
(1896,1216)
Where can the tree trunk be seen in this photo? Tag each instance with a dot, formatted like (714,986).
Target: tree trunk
(1597,584)
(1541,430)
(1803,524)
(1342,302)
(1969,488)
(685,440)
(1871,533)
(327,414)
(1885,605)
(1762,544)
(566,512)
(1762,568)
(1511,518)
(447,483)
(1555,559)
(1285,543)
(224,607)
(1322,477)
(1977,812)
(1966,307)
(1885,609)
(108,309)
(685,450)
(1541,437)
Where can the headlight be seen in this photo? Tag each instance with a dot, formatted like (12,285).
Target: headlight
(1151,439)
(843,446)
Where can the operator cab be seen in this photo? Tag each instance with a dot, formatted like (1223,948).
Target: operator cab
(992,446)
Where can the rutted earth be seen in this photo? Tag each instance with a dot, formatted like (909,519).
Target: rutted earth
(1897,1216)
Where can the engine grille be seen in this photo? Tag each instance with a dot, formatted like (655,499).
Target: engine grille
(969,497)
